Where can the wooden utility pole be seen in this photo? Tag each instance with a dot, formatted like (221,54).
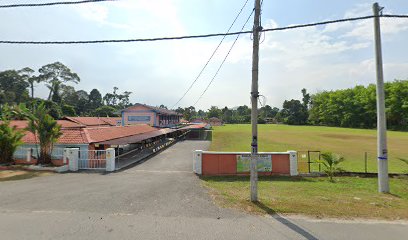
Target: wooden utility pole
(254,100)
(382,152)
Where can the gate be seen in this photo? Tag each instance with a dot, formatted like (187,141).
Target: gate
(92,159)
(308,161)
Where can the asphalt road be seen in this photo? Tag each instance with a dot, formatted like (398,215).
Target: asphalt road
(158,199)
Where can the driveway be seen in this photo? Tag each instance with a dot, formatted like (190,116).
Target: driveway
(158,199)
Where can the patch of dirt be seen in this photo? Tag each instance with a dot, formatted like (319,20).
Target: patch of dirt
(10,173)
(347,136)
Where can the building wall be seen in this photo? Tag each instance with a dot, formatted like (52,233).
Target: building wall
(138,116)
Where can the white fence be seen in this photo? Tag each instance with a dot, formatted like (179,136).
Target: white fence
(92,159)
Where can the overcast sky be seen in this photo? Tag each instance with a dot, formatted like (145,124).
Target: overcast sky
(316,58)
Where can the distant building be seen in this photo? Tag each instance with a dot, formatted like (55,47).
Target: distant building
(215,121)
(153,116)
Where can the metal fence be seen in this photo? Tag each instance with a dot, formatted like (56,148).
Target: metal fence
(92,159)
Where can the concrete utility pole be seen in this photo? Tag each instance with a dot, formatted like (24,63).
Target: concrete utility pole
(254,100)
(382,152)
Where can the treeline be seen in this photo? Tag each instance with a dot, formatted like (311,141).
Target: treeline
(356,107)
(18,86)
(353,108)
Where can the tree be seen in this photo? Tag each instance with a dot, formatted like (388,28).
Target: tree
(55,74)
(10,137)
(68,110)
(13,88)
(27,75)
(82,106)
(105,111)
(189,113)
(46,130)
(95,99)
(214,112)
(331,163)
(294,112)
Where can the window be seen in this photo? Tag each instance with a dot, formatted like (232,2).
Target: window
(139,118)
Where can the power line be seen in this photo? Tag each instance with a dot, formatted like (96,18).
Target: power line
(196,36)
(215,50)
(52,3)
(223,61)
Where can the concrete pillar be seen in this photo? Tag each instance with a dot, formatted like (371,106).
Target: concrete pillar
(72,155)
(110,160)
(293,163)
(197,162)
(28,155)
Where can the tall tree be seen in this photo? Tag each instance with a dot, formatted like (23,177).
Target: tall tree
(28,75)
(95,99)
(55,74)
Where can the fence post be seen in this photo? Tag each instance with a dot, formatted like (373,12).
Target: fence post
(110,160)
(365,160)
(293,163)
(72,155)
(197,162)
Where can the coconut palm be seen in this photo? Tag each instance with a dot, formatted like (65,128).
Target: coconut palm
(331,161)
(46,130)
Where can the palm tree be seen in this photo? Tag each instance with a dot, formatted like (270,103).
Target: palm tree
(331,162)
(46,130)
(10,137)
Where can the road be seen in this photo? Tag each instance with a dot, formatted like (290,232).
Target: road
(158,199)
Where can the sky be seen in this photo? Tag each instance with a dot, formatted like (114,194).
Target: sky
(319,58)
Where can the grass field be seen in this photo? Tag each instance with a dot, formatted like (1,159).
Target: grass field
(351,143)
(348,197)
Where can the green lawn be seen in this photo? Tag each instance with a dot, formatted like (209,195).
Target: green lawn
(351,143)
(348,197)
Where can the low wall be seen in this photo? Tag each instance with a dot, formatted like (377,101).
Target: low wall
(224,164)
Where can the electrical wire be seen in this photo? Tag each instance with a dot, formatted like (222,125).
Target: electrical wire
(222,63)
(196,36)
(52,3)
(211,57)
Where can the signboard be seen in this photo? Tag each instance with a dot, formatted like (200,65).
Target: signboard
(244,163)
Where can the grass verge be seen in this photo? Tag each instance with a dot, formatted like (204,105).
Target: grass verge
(348,197)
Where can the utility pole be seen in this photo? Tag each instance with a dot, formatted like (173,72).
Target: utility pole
(254,100)
(382,152)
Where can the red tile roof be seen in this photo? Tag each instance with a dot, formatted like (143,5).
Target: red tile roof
(21,124)
(69,136)
(74,133)
(101,134)
(94,121)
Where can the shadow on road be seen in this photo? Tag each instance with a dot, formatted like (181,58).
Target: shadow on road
(286,222)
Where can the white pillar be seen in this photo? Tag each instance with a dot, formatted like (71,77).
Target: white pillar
(28,155)
(293,163)
(110,160)
(197,162)
(72,155)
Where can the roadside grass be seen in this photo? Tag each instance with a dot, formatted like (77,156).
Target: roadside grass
(14,175)
(351,143)
(348,197)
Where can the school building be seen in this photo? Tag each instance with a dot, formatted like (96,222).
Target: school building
(153,116)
